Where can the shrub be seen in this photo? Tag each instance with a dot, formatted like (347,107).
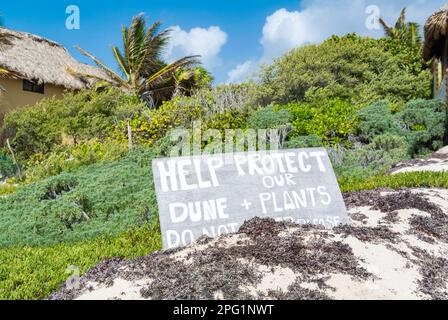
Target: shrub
(229,119)
(311,141)
(75,118)
(389,143)
(426,123)
(361,70)
(409,57)
(234,97)
(269,118)
(331,120)
(152,125)
(364,161)
(377,119)
(7,167)
(422,122)
(70,158)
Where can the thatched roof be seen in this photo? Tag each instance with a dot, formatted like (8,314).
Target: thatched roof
(34,58)
(436,30)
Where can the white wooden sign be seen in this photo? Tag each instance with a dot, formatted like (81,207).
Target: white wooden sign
(215,194)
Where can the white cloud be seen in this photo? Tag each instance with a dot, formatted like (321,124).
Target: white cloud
(242,71)
(318,19)
(198,41)
(284,30)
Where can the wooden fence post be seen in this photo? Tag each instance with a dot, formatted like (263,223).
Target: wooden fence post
(129,135)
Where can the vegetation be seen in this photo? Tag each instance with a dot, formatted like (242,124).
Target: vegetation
(31,273)
(6,189)
(402,180)
(332,120)
(87,193)
(425,124)
(7,167)
(103,199)
(153,125)
(407,33)
(77,118)
(140,61)
(352,68)
(70,158)
(421,122)
(364,161)
(269,118)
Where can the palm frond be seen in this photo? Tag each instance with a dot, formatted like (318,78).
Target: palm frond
(121,61)
(100,64)
(414,37)
(401,22)
(82,75)
(390,32)
(153,60)
(170,69)
(408,33)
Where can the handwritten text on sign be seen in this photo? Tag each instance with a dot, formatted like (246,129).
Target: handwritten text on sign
(214,194)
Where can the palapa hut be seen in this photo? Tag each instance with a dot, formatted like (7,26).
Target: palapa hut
(436,47)
(36,68)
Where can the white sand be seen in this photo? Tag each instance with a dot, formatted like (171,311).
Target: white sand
(395,276)
(438,162)
(438,166)
(121,289)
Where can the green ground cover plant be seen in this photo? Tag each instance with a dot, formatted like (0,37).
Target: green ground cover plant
(35,272)
(402,180)
(102,199)
(6,189)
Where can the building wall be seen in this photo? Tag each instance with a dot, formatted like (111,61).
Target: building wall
(14,97)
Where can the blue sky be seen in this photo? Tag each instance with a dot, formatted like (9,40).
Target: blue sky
(234,36)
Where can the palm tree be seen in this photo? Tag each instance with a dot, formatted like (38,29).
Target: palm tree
(408,33)
(143,70)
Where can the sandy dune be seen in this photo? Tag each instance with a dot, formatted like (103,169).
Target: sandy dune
(395,247)
(438,162)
